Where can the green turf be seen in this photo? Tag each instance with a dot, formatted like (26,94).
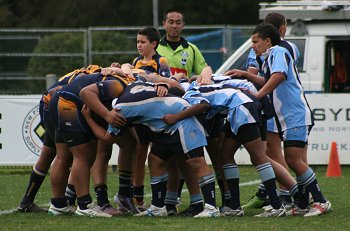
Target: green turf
(13,183)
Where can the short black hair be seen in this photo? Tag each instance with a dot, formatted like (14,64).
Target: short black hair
(267,30)
(171,10)
(275,19)
(151,33)
(176,91)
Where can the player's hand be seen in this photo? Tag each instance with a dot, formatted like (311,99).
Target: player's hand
(115,64)
(162,90)
(170,118)
(203,81)
(110,70)
(235,73)
(115,118)
(86,111)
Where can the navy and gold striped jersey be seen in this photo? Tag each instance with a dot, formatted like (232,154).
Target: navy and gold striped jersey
(158,64)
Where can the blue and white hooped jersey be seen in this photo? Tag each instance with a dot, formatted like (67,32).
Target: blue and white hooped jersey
(288,99)
(139,104)
(238,83)
(252,61)
(221,97)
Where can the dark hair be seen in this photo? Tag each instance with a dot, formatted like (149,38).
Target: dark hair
(267,30)
(151,33)
(275,19)
(172,10)
(176,91)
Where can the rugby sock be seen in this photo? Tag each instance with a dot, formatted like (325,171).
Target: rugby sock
(294,193)
(170,198)
(125,183)
(227,198)
(261,193)
(207,185)
(284,196)
(232,178)
(181,185)
(158,185)
(221,187)
(196,199)
(101,194)
(70,194)
(267,176)
(84,201)
(60,202)
(307,183)
(36,179)
(139,194)
(196,202)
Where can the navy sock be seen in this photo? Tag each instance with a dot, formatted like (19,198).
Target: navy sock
(158,185)
(307,183)
(261,193)
(267,176)
(170,198)
(36,179)
(207,185)
(139,194)
(232,179)
(60,202)
(221,187)
(84,201)
(125,184)
(70,194)
(101,194)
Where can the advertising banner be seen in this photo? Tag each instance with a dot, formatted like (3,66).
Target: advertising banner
(21,133)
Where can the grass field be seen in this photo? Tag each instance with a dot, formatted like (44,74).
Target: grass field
(14,181)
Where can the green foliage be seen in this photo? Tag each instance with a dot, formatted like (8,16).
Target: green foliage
(112,41)
(57,44)
(71,45)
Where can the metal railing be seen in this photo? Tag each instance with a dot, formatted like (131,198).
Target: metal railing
(18,49)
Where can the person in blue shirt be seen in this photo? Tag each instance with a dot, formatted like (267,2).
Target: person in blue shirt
(293,115)
(273,140)
(243,113)
(183,137)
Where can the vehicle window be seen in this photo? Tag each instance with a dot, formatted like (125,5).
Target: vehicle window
(241,63)
(337,68)
(300,43)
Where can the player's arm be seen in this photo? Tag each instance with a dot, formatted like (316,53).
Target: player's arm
(112,71)
(275,79)
(252,70)
(99,131)
(90,96)
(127,68)
(192,110)
(235,73)
(154,78)
(205,76)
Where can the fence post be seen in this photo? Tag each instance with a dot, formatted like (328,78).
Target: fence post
(50,79)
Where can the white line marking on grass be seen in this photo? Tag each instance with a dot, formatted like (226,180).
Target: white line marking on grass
(5,212)
(148,195)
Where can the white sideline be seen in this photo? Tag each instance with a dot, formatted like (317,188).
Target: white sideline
(10,211)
